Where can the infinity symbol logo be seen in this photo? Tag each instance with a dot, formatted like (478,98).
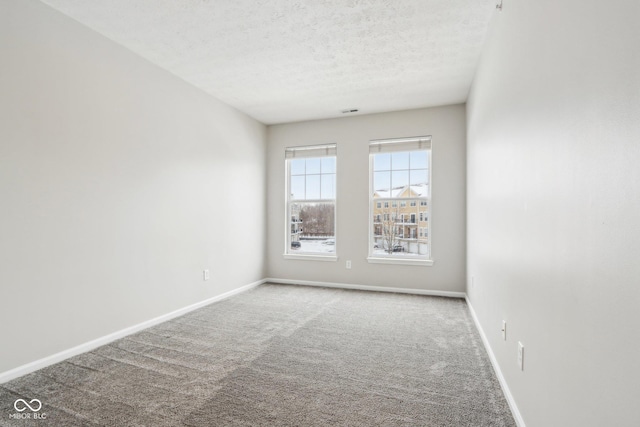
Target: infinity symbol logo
(27,405)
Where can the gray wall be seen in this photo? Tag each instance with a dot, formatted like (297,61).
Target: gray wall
(553,224)
(352,135)
(120,183)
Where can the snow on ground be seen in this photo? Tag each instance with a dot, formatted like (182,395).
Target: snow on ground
(316,246)
(378,252)
(325,246)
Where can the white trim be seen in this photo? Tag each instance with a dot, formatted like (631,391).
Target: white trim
(371,221)
(400,261)
(311,257)
(428,199)
(287,207)
(496,367)
(367,287)
(88,346)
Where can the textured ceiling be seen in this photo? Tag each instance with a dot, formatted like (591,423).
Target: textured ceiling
(290,60)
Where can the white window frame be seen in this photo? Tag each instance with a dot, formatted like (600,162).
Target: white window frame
(416,143)
(310,151)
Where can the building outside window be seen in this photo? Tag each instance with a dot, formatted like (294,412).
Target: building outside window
(400,173)
(311,200)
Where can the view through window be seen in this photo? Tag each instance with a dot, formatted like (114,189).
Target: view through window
(311,200)
(400,198)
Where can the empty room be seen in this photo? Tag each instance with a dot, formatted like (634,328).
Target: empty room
(318,213)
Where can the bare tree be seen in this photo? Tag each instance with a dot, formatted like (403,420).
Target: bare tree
(389,228)
(318,219)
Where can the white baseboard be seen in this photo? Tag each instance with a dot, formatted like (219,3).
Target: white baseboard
(88,346)
(503,383)
(367,287)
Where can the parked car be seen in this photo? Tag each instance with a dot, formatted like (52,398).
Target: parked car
(396,247)
(295,245)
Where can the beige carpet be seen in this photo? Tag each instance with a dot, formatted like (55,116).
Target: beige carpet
(284,356)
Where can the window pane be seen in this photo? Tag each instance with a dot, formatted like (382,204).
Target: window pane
(399,228)
(382,162)
(313,187)
(400,160)
(328,165)
(313,165)
(328,186)
(419,177)
(297,187)
(297,167)
(399,179)
(382,183)
(296,226)
(418,159)
(399,236)
(311,227)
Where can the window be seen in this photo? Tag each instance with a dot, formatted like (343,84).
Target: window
(400,181)
(311,201)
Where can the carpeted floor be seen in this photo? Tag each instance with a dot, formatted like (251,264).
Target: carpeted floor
(284,356)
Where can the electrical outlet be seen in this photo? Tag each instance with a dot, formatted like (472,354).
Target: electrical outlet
(504,330)
(521,356)
(205,275)
(349,264)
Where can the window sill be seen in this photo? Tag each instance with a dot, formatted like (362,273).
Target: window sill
(330,258)
(400,261)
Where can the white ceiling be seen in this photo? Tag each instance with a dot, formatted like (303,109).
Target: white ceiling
(290,60)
